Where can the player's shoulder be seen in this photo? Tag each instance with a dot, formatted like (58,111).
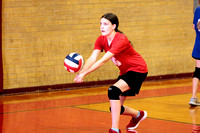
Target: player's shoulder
(120,35)
(197,10)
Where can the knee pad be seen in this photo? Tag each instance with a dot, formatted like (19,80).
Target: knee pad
(196,73)
(122,110)
(114,93)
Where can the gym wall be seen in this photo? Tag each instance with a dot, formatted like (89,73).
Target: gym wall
(38,34)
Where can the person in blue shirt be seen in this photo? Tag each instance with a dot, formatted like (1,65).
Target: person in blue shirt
(196,55)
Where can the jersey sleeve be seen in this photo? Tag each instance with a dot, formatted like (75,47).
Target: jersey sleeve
(196,16)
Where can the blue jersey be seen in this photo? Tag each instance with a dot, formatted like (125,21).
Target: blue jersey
(196,49)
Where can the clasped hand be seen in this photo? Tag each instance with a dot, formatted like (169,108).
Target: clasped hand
(79,78)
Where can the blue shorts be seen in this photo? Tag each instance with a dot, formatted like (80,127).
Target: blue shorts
(134,81)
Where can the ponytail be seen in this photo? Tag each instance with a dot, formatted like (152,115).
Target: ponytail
(116,29)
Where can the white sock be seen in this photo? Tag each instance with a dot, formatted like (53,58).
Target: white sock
(115,129)
(138,114)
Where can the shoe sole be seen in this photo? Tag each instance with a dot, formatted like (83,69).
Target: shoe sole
(144,117)
(194,104)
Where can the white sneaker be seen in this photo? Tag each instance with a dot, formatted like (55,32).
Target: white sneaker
(194,102)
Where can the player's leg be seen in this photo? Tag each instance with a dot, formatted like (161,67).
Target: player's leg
(127,110)
(195,84)
(127,85)
(134,81)
(114,93)
(137,116)
(117,107)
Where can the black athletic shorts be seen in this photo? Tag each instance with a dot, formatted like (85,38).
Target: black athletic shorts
(134,81)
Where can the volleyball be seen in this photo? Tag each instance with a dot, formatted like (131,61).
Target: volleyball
(73,62)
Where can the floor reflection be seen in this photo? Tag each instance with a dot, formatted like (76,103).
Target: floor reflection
(195,114)
(131,131)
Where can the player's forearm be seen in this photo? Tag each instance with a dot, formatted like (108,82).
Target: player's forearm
(95,66)
(90,61)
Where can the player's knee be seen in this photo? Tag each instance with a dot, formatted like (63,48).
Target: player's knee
(122,110)
(196,73)
(114,93)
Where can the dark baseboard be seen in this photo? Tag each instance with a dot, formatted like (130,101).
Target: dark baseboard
(70,86)
(169,76)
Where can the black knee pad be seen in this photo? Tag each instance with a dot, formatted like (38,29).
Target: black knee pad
(196,73)
(114,93)
(122,110)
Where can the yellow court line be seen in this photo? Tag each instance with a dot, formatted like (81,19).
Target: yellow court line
(170,108)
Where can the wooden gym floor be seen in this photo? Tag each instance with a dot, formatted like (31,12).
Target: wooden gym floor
(86,110)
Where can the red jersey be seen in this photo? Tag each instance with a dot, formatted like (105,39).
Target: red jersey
(125,57)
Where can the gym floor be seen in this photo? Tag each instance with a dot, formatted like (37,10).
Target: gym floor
(86,110)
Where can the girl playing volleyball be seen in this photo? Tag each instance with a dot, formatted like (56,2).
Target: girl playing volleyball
(133,70)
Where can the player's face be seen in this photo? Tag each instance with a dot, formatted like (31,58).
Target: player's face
(106,27)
